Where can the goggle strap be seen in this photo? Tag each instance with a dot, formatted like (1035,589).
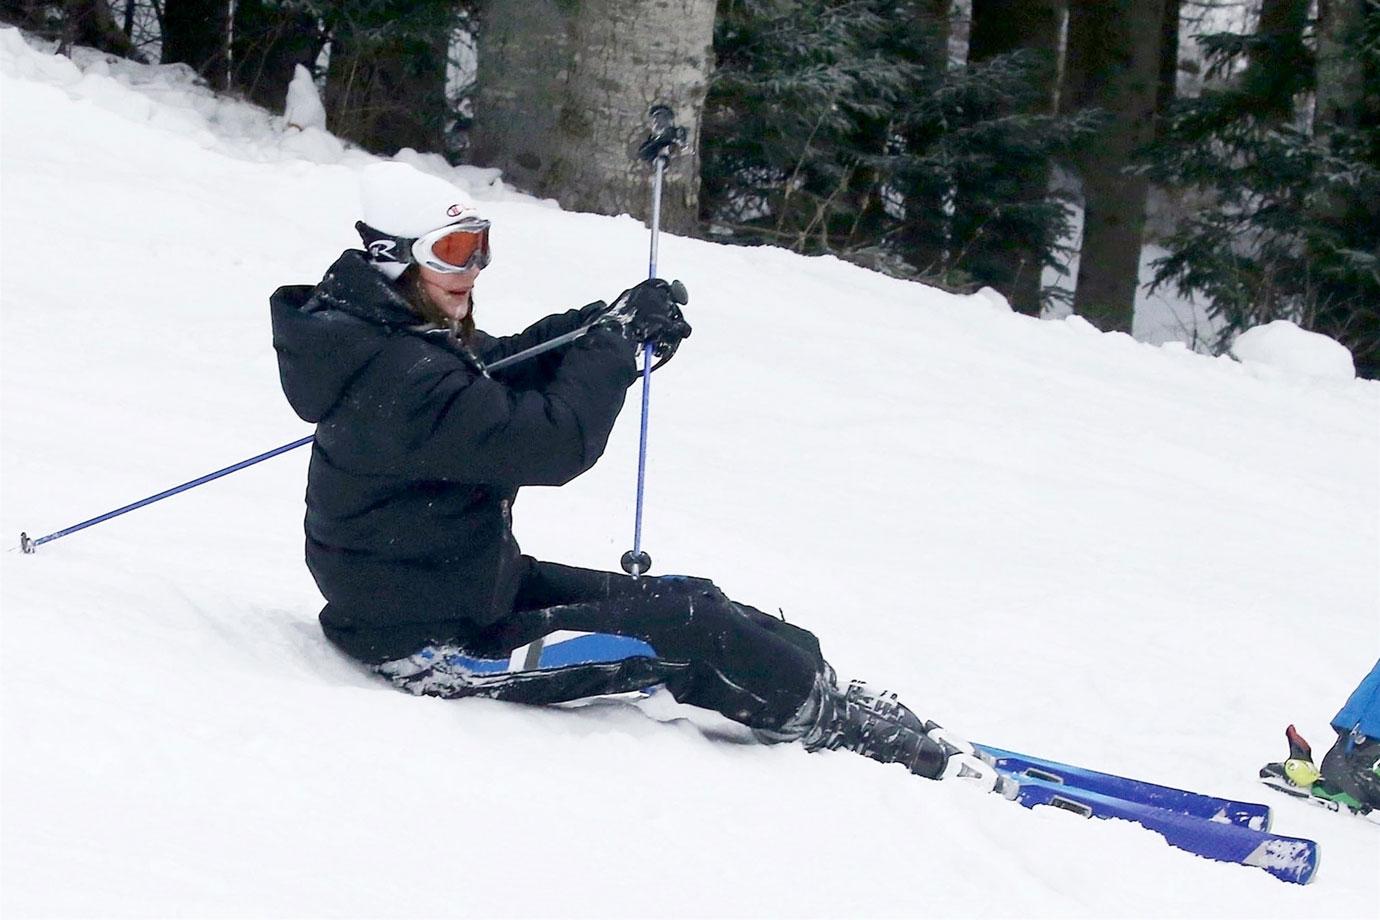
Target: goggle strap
(384,247)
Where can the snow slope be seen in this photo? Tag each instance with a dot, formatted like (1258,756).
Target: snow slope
(1132,557)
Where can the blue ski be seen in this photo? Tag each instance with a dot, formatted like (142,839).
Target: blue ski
(1194,804)
(1219,829)
(1291,859)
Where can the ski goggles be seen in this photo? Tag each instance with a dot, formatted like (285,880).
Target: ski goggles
(459,247)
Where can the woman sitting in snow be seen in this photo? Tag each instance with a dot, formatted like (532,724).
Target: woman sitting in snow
(419,454)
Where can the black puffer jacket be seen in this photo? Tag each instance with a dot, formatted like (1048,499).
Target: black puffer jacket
(419,455)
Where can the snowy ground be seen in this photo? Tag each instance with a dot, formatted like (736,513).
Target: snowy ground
(1129,556)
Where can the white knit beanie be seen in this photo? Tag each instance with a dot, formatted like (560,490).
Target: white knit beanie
(401,201)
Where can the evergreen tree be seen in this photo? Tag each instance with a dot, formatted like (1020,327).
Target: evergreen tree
(72,22)
(197,33)
(836,127)
(802,95)
(979,139)
(1292,230)
(1013,253)
(271,37)
(386,83)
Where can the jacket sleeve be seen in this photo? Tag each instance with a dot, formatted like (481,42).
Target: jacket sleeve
(430,415)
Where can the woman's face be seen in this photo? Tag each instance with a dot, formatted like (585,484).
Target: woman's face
(449,291)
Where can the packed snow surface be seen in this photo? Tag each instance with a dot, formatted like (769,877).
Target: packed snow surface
(1285,347)
(1132,557)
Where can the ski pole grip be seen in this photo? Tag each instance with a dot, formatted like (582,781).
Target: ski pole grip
(661,118)
(666,137)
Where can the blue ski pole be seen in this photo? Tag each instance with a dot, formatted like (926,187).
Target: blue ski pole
(664,140)
(28,544)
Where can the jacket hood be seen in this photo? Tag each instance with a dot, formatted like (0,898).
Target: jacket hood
(327,334)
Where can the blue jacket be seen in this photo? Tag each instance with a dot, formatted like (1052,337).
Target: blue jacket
(1362,709)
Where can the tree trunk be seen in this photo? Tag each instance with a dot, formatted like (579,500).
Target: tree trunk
(1010,263)
(1168,89)
(270,39)
(606,62)
(197,32)
(1341,77)
(1347,311)
(936,13)
(1113,64)
(1271,76)
(524,65)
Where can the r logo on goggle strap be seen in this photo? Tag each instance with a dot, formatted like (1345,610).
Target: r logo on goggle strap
(383,250)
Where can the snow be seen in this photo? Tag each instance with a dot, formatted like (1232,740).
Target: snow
(1285,347)
(991,299)
(303,108)
(1162,315)
(1132,557)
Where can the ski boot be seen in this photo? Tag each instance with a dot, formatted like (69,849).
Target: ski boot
(1349,780)
(1352,769)
(877,725)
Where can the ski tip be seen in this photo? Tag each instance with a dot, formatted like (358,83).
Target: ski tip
(1289,859)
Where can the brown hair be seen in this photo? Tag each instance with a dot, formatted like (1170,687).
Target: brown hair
(410,286)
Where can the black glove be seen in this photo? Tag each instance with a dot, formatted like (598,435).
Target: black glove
(650,312)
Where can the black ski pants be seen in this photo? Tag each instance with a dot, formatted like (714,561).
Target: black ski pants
(710,651)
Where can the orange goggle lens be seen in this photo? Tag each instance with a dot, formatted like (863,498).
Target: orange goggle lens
(460,247)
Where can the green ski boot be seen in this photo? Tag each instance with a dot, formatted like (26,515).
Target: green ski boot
(1335,790)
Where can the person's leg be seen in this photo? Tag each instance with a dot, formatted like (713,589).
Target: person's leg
(451,672)
(734,665)
(1352,766)
(708,651)
(737,660)
(754,668)
(550,584)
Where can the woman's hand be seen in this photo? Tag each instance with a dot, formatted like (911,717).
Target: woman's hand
(650,312)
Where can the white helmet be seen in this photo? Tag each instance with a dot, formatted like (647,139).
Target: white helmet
(412,217)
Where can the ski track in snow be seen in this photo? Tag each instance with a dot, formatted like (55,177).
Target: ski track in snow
(1125,556)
